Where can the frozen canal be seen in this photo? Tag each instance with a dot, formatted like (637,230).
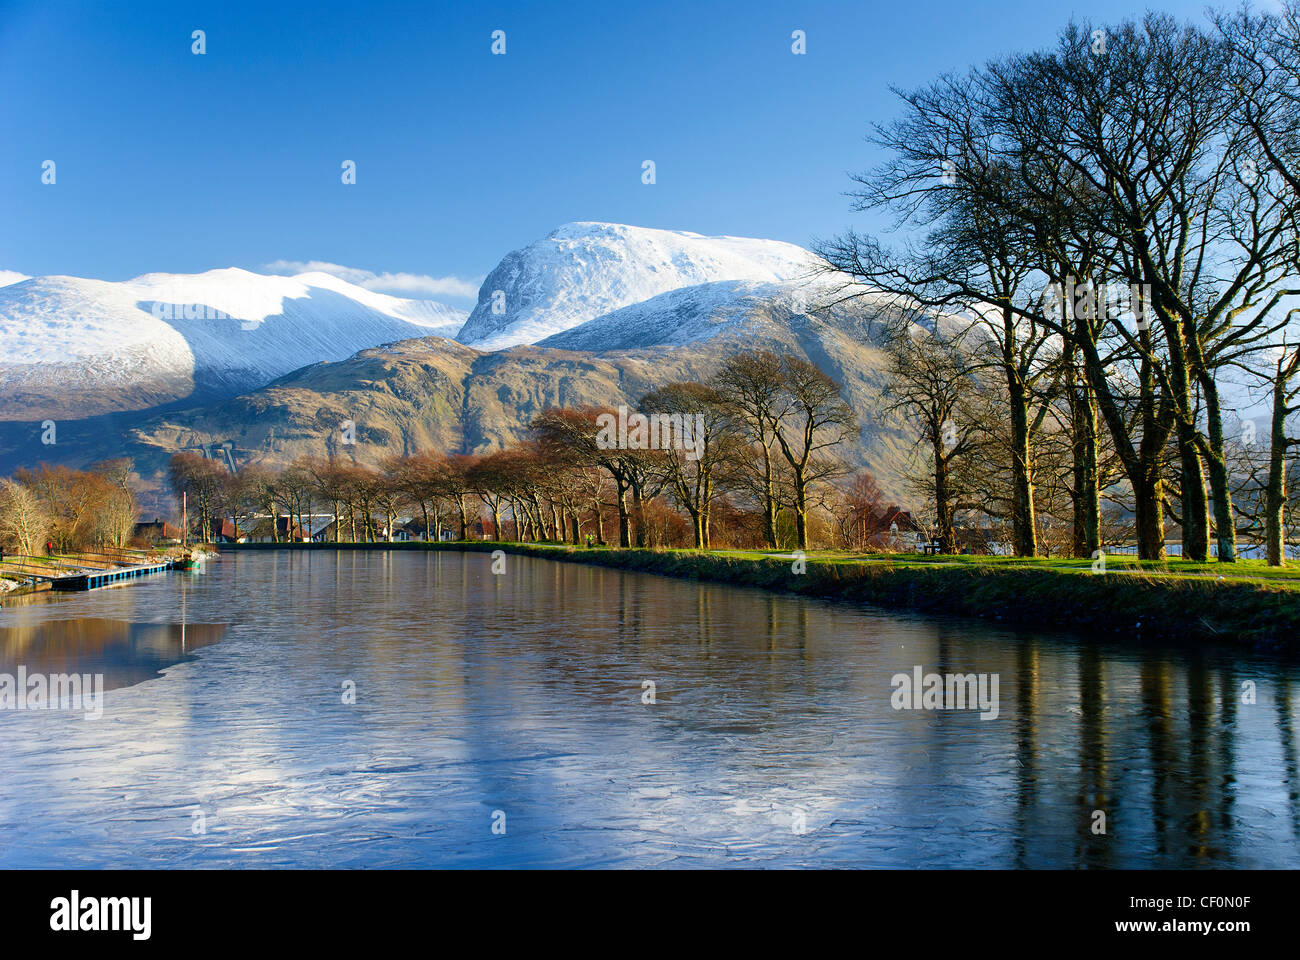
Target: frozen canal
(502,721)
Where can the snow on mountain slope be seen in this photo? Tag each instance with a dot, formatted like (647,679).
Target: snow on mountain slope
(586,270)
(442,320)
(697,313)
(673,318)
(72,346)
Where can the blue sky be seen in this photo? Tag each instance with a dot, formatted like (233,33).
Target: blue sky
(168,161)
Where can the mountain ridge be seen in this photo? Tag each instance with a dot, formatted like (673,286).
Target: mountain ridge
(647,307)
(434,393)
(76,347)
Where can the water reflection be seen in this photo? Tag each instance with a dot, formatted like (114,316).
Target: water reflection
(124,653)
(524,693)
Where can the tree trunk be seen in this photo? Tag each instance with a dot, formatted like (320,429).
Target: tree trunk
(638,511)
(1024,532)
(624,527)
(1275,491)
(697,528)
(801,512)
(1149,501)
(1196,509)
(1087,496)
(1225,523)
(1141,463)
(942,507)
(769,500)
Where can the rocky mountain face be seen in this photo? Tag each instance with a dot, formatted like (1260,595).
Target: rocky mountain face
(440,394)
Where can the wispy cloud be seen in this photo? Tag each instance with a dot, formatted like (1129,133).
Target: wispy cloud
(12,276)
(414,285)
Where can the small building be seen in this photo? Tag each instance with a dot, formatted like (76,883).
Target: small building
(326,534)
(314,527)
(260,530)
(287,531)
(896,527)
(225,531)
(317,527)
(415,530)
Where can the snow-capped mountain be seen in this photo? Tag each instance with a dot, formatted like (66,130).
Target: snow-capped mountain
(78,347)
(582,271)
(441,395)
(593,314)
(74,349)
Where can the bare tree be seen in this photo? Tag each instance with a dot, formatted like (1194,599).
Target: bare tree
(24,521)
(933,389)
(812,419)
(712,441)
(201,481)
(752,384)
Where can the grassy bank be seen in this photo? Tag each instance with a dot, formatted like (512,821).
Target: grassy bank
(1251,604)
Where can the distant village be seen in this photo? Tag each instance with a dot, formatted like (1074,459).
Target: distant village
(892,529)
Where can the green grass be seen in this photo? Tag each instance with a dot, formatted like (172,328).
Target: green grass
(1242,570)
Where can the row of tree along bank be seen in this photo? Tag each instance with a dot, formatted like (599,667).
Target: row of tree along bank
(750,459)
(1108,228)
(1112,607)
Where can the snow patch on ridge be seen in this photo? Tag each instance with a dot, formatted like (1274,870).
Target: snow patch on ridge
(151,339)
